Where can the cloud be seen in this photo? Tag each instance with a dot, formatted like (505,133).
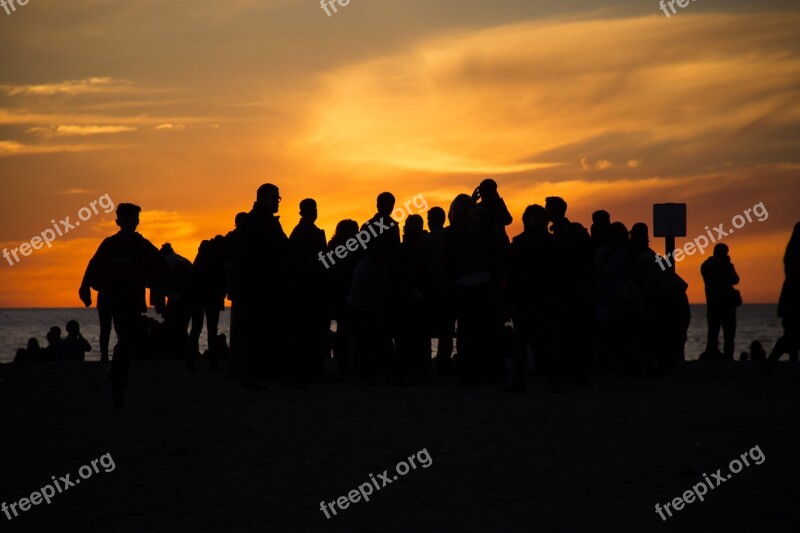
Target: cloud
(66,130)
(487,101)
(170,127)
(70,87)
(12,148)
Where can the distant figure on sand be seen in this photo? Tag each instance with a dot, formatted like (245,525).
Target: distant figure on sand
(789,303)
(722,299)
(32,353)
(75,346)
(55,347)
(123,266)
(757,353)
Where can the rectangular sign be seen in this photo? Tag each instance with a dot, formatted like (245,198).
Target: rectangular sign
(669,220)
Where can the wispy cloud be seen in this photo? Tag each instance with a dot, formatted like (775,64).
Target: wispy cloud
(170,127)
(12,148)
(68,130)
(70,87)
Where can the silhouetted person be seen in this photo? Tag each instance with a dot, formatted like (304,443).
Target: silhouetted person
(601,221)
(412,341)
(54,351)
(487,197)
(720,276)
(789,302)
(661,341)
(33,352)
(529,284)
(340,279)
(263,259)
(234,291)
(75,346)
(207,293)
(371,315)
(476,298)
(309,300)
(620,307)
(757,353)
(123,266)
(437,291)
(178,311)
(556,209)
(573,337)
(381,224)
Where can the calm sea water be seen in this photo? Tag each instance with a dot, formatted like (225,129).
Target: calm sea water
(755,322)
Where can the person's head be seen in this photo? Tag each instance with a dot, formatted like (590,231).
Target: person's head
(488,189)
(576,234)
(617,235)
(268,198)
(345,229)
(460,207)
(436,218)
(33,344)
(385,203)
(601,217)
(534,219)
(639,235)
(720,250)
(413,227)
(556,208)
(166,249)
(128,217)
(240,220)
(54,335)
(308,209)
(73,328)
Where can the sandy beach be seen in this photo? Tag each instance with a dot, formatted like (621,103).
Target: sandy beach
(194,452)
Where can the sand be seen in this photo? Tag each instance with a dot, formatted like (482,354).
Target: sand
(194,452)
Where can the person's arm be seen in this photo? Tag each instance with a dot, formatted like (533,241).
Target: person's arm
(734,276)
(91,276)
(505,215)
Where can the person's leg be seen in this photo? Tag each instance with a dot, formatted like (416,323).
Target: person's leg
(212,325)
(194,336)
(126,324)
(104,312)
(714,323)
(729,332)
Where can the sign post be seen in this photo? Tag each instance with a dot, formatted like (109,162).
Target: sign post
(669,221)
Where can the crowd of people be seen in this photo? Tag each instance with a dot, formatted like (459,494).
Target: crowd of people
(571,300)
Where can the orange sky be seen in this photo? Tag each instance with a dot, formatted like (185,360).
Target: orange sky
(186,107)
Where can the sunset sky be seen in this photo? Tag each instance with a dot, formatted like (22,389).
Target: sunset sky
(186,106)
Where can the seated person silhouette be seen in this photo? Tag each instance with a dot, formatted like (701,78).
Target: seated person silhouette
(75,346)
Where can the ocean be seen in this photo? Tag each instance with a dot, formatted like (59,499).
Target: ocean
(755,322)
